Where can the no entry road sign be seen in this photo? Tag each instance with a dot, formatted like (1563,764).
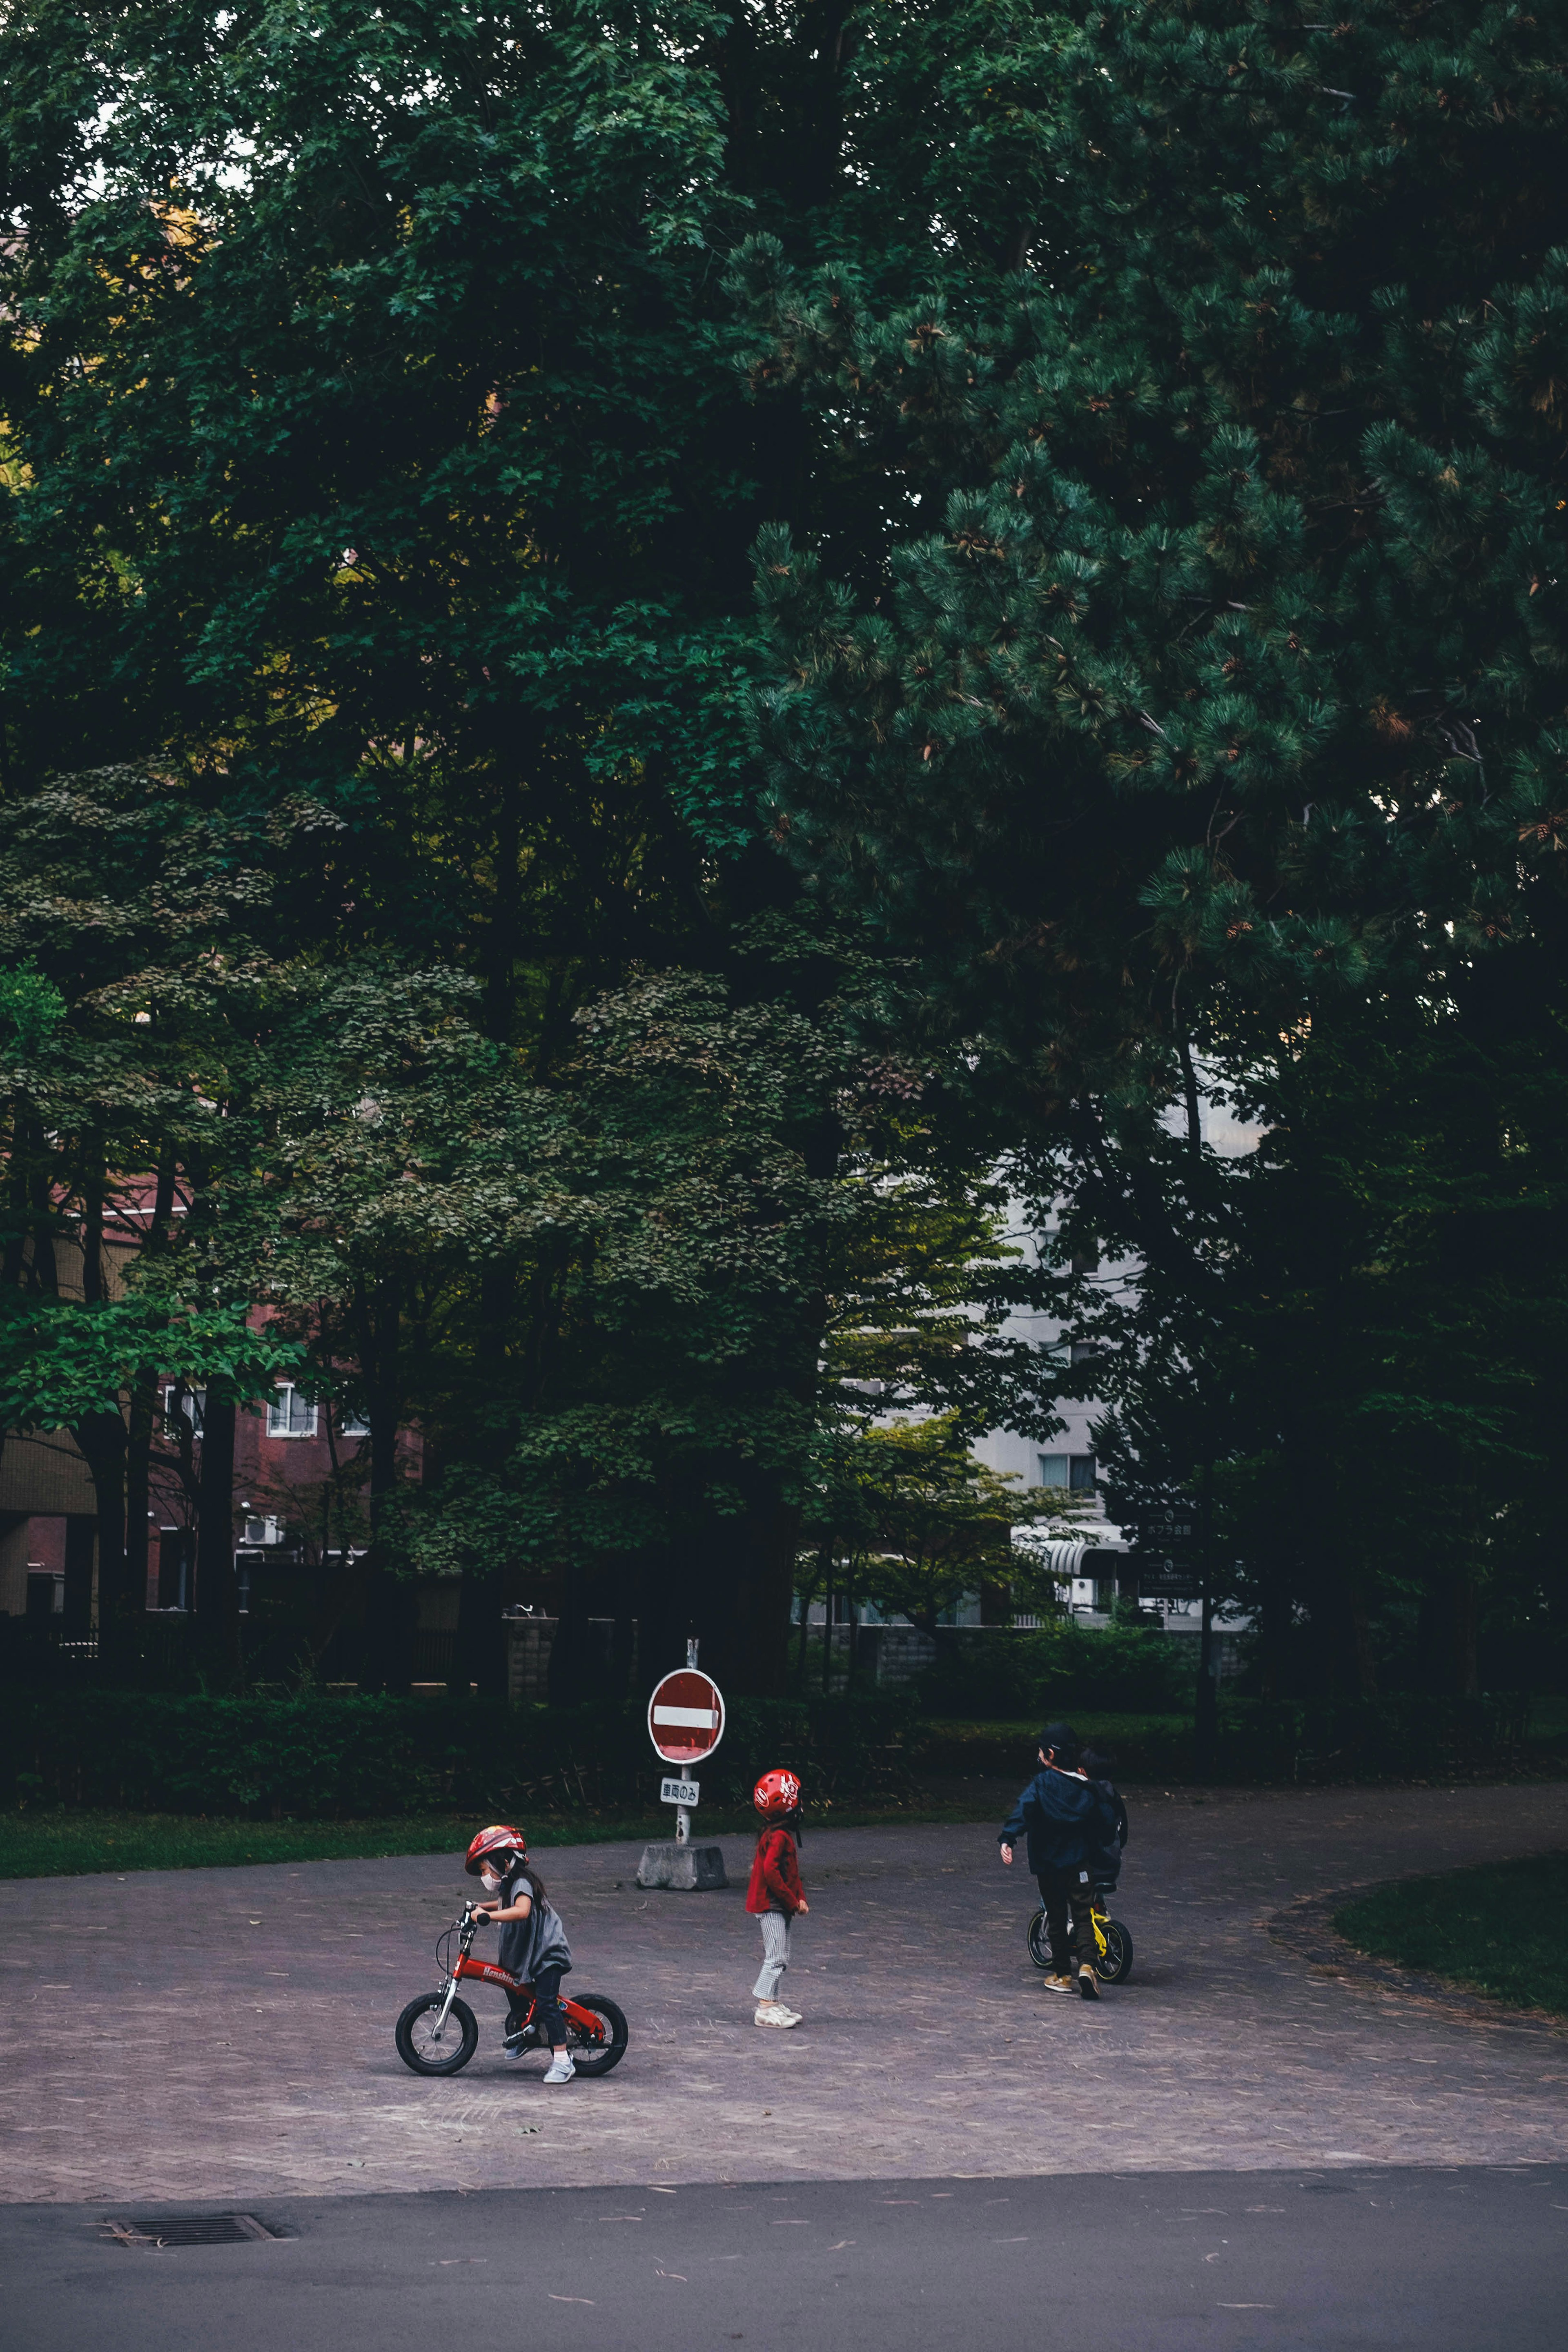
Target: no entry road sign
(685,1716)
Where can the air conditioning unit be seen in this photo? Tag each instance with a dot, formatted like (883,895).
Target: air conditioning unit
(263,1531)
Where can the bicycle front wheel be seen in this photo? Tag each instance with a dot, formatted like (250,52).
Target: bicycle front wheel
(1038,1941)
(417,2043)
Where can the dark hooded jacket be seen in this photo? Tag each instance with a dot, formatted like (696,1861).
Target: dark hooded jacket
(1066,1820)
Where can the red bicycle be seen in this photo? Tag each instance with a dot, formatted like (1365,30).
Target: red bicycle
(438,2033)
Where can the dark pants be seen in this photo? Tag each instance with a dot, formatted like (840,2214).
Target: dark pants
(1061,1890)
(549,2017)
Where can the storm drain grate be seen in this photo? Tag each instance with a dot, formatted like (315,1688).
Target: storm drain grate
(190,2230)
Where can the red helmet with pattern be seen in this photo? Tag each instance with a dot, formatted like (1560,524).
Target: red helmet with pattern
(503,1838)
(776,1794)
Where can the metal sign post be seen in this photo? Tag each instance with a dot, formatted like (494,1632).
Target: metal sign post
(682,1818)
(685,1723)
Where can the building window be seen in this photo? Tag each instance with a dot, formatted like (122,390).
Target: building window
(190,1402)
(288,1412)
(1073,1471)
(353,1424)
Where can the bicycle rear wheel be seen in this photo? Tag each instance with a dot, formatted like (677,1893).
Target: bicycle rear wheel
(1038,1941)
(1114,1964)
(595,2049)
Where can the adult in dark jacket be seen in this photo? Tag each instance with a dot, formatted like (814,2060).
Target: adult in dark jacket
(1066,1820)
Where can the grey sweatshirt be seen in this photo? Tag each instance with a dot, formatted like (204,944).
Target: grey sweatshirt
(534,1943)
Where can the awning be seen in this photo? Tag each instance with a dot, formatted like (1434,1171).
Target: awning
(1066,1557)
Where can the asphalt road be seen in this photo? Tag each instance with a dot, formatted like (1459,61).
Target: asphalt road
(1466,2258)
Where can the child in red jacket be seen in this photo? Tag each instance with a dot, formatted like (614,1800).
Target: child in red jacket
(774,1895)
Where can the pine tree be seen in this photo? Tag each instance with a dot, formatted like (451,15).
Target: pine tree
(1211,695)
(1233,663)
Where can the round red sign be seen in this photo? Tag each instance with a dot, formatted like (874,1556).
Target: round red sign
(685,1716)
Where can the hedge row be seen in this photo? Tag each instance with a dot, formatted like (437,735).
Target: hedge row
(323,1757)
(1135,1669)
(1401,1737)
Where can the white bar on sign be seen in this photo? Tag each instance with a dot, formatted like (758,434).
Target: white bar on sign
(687,1718)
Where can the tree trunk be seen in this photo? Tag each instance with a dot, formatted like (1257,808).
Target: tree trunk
(479,1652)
(102,1437)
(392,1621)
(661,1617)
(138,1482)
(1363,1655)
(623,1663)
(1273,1626)
(764,1588)
(573,1676)
(144,1406)
(82,1537)
(391,1605)
(217,1587)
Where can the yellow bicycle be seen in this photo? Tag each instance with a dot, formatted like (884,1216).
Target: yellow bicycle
(1113,1955)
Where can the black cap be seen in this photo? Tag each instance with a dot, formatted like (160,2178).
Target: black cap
(1062,1740)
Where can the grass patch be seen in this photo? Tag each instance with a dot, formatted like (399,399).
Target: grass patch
(48,1843)
(1500,1930)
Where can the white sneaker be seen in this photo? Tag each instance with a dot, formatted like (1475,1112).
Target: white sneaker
(562,2070)
(773,2013)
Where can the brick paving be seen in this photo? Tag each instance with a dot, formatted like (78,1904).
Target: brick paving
(226,2034)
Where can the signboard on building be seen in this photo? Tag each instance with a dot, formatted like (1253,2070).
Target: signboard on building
(1165,1561)
(1161,1577)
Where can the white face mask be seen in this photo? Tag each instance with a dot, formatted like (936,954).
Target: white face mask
(488,1881)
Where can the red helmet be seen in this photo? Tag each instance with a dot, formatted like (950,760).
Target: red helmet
(500,1839)
(776,1792)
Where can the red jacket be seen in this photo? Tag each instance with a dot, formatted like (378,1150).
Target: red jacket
(775,1875)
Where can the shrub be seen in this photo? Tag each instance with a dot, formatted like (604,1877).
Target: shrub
(319,1758)
(1135,1669)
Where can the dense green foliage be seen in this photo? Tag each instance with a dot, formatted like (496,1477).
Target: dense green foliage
(381,466)
(1204,737)
(1501,1929)
(583,1004)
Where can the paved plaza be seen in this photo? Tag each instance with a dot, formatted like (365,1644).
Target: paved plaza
(225,2035)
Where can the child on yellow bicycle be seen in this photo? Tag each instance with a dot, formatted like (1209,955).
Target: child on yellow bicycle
(1067,1819)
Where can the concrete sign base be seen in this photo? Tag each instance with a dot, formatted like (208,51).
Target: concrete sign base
(684,1869)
